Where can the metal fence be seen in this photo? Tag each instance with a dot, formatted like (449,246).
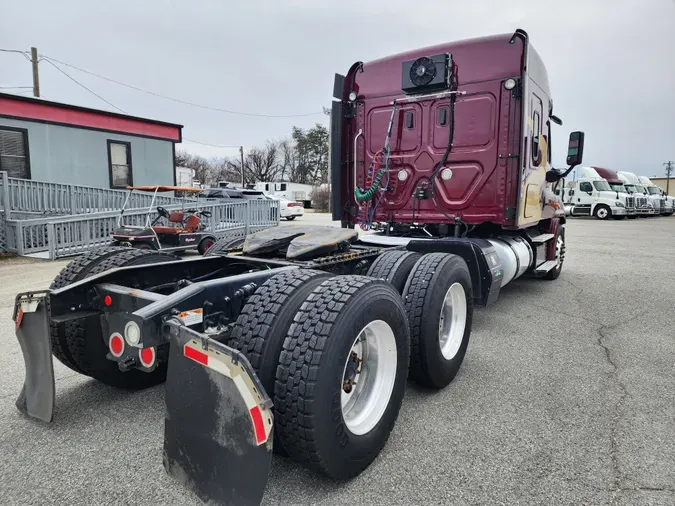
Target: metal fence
(63,236)
(42,197)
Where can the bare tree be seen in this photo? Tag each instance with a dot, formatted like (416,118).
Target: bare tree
(289,162)
(260,164)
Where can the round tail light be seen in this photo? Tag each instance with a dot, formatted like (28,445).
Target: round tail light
(147,357)
(116,344)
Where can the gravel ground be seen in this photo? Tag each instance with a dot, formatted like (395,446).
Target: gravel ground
(566,396)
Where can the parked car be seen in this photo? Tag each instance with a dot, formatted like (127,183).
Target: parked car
(290,209)
(223,193)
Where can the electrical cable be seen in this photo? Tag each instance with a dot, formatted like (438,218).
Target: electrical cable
(23,53)
(83,86)
(178,100)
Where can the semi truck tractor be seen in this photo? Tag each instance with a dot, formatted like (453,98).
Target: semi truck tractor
(591,195)
(616,184)
(651,204)
(301,339)
(666,202)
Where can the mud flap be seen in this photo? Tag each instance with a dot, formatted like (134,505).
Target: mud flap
(31,317)
(218,426)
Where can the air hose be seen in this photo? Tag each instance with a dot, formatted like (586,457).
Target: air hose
(363,195)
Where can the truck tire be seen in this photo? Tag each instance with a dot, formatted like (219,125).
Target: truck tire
(394,267)
(438,299)
(559,254)
(224,244)
(320,424)
(602,212)
(263,323)
(81,347)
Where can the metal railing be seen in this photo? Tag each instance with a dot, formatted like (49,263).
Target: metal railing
(63,236)
(26,195)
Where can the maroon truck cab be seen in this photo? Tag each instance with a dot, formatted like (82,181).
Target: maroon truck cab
(470,135)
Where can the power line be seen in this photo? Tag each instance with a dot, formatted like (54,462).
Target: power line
(23,53)
(15,87)
(212,145)
(83,86)
(180,101)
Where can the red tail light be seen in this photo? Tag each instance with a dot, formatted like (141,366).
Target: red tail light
(116,345)
(295,204)
(147,356)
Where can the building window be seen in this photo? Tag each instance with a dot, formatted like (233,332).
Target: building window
(119,163)
(14,152)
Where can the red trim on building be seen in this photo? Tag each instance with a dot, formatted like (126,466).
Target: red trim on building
(65,114)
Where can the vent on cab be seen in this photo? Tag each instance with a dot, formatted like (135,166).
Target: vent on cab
(427,73)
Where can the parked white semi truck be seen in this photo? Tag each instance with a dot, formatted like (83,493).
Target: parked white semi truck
(616,184)
(591,195)
(649,205)
(667,203)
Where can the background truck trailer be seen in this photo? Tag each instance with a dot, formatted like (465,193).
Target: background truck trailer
(292,191)
(301,339)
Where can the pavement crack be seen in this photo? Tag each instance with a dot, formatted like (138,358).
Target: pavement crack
(617,475)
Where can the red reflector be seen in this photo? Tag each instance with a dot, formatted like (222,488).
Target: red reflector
(107,300)
(116,345)
(196,355)
(258,424)
(19,318)
(147,356)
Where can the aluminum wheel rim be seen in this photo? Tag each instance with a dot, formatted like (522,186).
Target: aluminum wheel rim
(365,403)
(602,213)
(452,321)
(559,251)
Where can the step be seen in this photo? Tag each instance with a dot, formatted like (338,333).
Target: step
(541,239)
(546,267)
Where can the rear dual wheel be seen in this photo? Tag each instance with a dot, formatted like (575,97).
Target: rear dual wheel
(438,297)
(333,354)
(80,345)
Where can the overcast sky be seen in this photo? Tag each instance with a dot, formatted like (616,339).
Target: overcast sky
(611,63)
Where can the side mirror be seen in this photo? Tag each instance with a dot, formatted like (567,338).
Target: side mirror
(571,192)
(575,148)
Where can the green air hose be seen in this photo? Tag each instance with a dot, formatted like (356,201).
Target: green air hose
(367,195)
(363,195)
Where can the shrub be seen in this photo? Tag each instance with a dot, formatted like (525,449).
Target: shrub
(320,199)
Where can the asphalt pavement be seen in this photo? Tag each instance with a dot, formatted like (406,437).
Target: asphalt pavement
(566,396)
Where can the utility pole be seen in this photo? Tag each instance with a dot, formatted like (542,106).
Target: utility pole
(241,152)
(36,73)
(669,170)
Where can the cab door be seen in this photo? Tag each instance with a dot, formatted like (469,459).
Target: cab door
(584,198)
